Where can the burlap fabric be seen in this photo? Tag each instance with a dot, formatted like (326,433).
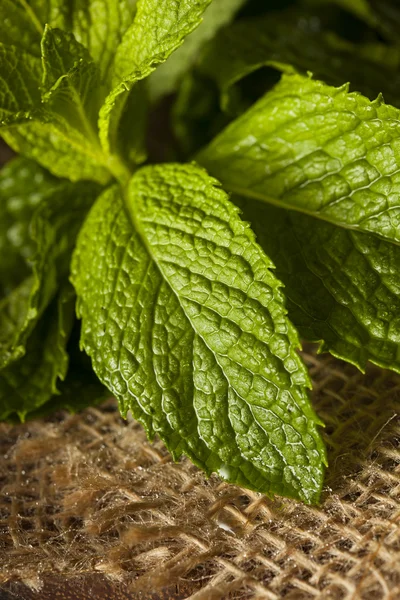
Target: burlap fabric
(88,494)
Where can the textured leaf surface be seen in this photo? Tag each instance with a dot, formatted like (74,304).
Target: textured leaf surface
(19,84)
(42,217)
(319,150)
(159,28)
(97,24)
(290,41)
(100,25)
(32,380)
(185,324)
(61,132)
(71,82)
(64,151)
(165,79)
(341,286)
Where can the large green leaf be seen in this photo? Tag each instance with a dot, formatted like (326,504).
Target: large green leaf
(319,150)
(159,28)
(41,218)
(185,323)
(29,382)
(342,287)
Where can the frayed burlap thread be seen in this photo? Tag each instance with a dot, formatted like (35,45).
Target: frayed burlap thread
(88,494)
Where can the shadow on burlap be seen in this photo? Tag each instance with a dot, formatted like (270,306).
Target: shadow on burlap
(88,494)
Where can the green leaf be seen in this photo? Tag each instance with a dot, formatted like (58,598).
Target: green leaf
(31,381)
(71,82)
(42,219)
(100,25)
(62,130)
(19,84)
(185,323)
(159,28)
(64,151)
(319,150)
(165,79)
(290,42)
(97,24)
(342,286)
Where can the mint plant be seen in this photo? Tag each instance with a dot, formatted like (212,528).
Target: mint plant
(188,284)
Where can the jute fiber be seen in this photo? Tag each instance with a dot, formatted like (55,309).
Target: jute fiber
(88,494)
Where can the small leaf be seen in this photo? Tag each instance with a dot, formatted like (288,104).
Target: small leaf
(185,324)
(19,84)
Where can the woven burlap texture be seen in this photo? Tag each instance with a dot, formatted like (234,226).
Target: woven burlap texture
(87,493)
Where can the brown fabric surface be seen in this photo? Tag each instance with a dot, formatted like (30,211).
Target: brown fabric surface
(88,494)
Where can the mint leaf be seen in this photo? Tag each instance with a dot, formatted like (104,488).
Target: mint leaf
(42,219)
(159,28)
(31,381)
(185,324)
(316,149)
(165,79)
(100,25)
(71,82)
(64,152)
(97,24)
(61,109)
(341,286)
(19,76)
